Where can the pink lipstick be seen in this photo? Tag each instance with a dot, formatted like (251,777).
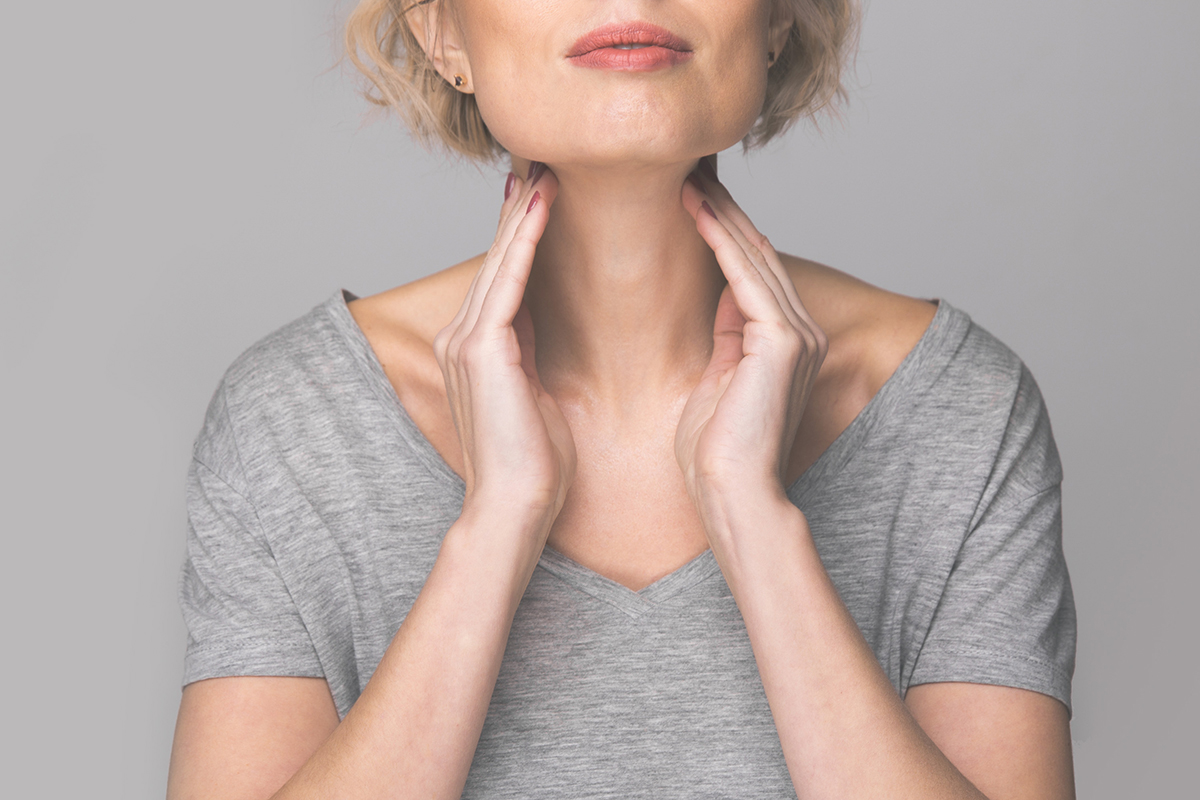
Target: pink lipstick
(630,47)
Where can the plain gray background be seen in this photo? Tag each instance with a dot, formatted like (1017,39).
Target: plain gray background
(178,179)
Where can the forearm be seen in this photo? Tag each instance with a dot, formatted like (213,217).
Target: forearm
(414,729)
(845,732)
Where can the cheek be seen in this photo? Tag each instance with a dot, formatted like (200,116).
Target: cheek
(517,103)
(514,71)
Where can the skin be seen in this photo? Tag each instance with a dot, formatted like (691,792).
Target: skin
(682,373)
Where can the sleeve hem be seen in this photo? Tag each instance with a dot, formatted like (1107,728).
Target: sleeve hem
(974,665)
(225,662)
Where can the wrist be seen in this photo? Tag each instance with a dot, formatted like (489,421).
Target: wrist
(751,531)
(507,510)
(726,506)
(495,546)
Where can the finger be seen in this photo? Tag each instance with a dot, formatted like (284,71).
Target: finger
(755,296)
(506,291)
(523,326)
(544,184)
(780,280)
(724,203)
(728,329)
(777,280)
(694,194)
(513,189)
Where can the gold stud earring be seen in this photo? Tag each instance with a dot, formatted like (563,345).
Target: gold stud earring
(460,80)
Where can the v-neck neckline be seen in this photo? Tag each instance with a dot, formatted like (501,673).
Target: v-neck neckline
(915,372)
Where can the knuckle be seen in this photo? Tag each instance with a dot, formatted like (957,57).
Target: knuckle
(457,348)
(524,236)
(507,274)
(441,344)
(468,352)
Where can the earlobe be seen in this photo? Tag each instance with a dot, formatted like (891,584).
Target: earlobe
(779,30)
(439,37)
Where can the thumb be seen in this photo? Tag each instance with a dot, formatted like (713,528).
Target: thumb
(523,326)
(727,333)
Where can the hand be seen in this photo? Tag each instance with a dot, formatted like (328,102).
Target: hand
(737,429)
(518,452)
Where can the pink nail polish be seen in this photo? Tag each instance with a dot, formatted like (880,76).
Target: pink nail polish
(707,170)
(704,206)
(508,185)
(536,171)
(694,180)
(533,201)
(533,165)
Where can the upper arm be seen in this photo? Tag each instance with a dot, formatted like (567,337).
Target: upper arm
(242,738)
(1013,744)
(256,703)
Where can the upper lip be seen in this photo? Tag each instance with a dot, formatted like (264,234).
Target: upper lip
(627,33)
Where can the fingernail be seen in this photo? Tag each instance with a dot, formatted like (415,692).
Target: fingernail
(707,170)
(694,180)
(508,185)
(536,171)
(533,165)
(704,206)
(533,201)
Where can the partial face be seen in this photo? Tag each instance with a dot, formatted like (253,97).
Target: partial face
(574,82)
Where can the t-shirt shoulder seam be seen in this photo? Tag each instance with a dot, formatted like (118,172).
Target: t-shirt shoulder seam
(225,482)
(1034,494)
(241,466)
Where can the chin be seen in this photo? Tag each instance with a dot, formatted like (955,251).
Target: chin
(615,133)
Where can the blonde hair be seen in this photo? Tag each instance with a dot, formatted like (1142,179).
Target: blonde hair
(807,75)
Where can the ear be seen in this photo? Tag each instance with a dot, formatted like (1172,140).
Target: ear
(779,28)
(437,31)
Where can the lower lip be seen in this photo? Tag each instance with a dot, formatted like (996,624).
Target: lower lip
(641,59)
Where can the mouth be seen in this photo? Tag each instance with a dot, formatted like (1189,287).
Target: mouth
(630,46)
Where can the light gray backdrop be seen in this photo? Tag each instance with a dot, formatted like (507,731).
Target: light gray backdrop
(178,179)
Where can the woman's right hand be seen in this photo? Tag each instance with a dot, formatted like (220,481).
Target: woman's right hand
(518,453)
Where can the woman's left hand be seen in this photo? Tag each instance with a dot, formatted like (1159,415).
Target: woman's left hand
(736,431)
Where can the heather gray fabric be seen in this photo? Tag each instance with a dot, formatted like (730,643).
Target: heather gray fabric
(316,509)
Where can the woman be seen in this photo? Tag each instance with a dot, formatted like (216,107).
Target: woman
(740,525)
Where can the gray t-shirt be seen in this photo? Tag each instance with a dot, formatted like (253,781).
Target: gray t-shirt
(316,509)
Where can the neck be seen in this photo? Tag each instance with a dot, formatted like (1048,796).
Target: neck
(623,289)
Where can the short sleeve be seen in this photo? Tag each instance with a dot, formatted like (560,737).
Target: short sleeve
(240,616)
(1006,615)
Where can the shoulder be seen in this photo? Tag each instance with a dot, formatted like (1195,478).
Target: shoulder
(416,311)
(871,331)
(954,381)
(399,326)
(270,381)
(875,331)
(401,323)
(287,359)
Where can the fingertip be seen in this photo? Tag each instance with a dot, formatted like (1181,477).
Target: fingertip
(533,201)
(705,207)
(509,183)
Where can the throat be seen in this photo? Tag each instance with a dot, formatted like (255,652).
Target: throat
(623,289)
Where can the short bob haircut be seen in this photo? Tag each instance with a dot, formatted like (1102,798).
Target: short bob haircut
(805,78)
